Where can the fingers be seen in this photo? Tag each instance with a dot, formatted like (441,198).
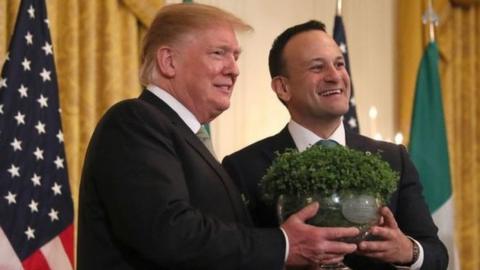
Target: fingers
(315,244)
(372,254)
(373,246)
(332,260)
(378,250)
(326,246)
(307,212)
(339,233)
(308,242)
(389,219)
(392,254)
(327,259)
(394,246)
(335,247)
(387,228)
(381,221)
(382,232)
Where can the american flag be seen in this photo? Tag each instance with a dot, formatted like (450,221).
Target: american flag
(36,209)
(350,120)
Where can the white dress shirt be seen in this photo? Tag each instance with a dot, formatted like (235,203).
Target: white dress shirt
(305,138)
(182,111)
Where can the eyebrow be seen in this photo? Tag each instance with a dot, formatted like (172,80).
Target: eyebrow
(228,48)
(320,59)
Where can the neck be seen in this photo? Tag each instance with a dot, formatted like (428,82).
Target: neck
(175,90)
(321,127)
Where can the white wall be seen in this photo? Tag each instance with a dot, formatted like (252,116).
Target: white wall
(256,113)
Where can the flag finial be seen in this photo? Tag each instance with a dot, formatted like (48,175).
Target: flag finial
(339,7)
(430,17)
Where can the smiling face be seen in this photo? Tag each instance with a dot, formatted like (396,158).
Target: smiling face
(206,69)
(316,85)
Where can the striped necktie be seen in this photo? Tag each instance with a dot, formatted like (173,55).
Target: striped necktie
(204,137)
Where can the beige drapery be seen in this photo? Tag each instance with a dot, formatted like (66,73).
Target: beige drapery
(458,37)
(96,49)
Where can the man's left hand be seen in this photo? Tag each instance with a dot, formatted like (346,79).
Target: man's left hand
(394,246)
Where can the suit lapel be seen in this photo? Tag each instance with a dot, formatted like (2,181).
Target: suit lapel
(361,143)
(279,143)
(232,191)
(351,140)
(202,150)
(230,187)
(189,136)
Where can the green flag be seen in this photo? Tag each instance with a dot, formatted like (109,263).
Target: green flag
(429,148)
(428,140)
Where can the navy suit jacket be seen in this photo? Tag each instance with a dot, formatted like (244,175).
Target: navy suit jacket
(248,165)
(153,197)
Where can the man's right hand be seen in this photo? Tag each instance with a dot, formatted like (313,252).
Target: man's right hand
(309,244)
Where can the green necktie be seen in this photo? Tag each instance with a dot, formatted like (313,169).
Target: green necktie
(204,137)
(327,143)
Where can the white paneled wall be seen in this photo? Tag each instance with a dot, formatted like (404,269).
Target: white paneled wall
(256,113)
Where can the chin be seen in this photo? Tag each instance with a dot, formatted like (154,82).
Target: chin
(339,111)
(344,109)
(223,104)
(336,115)
(220,108)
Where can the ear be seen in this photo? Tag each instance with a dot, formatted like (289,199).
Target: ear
(280,87)
(165,62)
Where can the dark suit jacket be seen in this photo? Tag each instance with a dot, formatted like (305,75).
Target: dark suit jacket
(248,165)
(153,197)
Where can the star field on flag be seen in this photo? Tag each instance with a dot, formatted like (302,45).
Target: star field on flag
(350,119)
(36,208)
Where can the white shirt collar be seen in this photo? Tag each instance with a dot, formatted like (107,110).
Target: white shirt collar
(187,116)
(305,138)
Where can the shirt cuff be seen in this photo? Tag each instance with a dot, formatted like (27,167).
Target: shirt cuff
(287,245)
(418,263)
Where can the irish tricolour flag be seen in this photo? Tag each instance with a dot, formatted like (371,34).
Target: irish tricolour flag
(429,149)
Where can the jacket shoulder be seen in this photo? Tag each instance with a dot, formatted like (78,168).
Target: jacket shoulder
(264,148)
(363,143)
(395,154)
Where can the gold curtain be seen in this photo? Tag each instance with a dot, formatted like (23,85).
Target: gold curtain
(458,37)
(96,49)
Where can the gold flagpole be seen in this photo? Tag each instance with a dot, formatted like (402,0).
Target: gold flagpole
(339,8)
(431,18)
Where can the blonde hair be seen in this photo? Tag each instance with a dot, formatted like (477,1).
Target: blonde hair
(174,21)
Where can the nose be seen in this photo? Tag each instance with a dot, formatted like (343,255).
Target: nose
(231,67)
(332,74)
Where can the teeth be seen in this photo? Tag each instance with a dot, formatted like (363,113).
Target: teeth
(224,88)
(330,92)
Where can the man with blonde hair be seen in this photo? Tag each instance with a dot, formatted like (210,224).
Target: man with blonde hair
(152,195)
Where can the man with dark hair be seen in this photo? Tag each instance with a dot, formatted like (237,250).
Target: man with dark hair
(276,63)
(152,195)
(309,77)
